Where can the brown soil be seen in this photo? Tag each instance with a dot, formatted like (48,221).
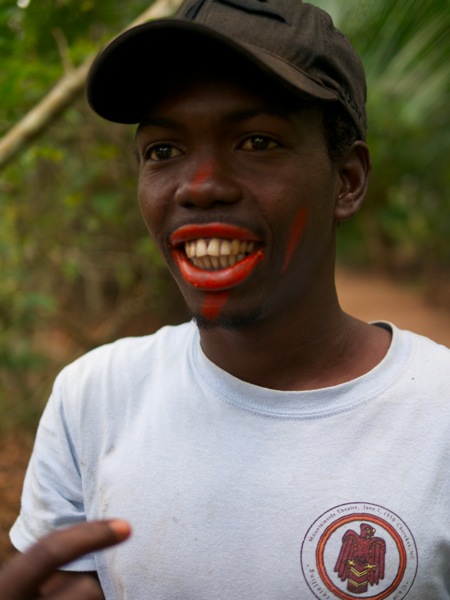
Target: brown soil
(373,297)
(367,296)
(15,449)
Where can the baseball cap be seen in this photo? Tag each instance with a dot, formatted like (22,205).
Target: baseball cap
(294,43)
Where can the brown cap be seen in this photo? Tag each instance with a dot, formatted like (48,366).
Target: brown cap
(293,42)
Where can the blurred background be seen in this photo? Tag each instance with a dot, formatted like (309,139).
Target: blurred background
(76,266)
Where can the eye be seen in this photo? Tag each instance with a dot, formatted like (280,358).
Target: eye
(159,152)
(258,143)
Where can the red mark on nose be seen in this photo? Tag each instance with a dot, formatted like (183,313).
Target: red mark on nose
(213,304)
(205,170)
(294,236)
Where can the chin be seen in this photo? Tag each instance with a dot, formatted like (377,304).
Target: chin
(229,322)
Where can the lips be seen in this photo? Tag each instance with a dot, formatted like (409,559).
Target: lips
(216,256)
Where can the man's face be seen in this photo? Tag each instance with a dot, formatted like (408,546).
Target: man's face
(238,193)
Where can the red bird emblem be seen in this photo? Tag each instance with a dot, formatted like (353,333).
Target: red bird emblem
(361,559)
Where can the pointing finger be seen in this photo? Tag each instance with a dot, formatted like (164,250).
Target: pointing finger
(25,573)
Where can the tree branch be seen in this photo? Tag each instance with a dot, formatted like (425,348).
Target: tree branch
(63,95)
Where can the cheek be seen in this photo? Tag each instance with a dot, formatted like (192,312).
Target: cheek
(152,198)
(295,235)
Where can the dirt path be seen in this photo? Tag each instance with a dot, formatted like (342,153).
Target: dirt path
(366,296)
(372,297)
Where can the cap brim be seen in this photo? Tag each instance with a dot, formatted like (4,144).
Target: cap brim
(127,76)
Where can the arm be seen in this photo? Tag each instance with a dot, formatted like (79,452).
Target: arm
(36,571)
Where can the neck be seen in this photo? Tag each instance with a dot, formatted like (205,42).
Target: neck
(317,347)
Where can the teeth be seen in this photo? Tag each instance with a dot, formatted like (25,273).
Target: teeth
(207,262)
(225,248)
(235,246)
(217,253)
(213,247)
(201,249)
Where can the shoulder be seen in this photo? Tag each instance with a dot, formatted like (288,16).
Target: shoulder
(426,350)
(426,360)
(116,371)
(132,351)
(419,345)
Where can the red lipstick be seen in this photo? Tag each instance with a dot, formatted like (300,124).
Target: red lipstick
(211,230)
(219,279)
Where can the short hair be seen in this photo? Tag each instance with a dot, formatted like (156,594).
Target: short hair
(340,130)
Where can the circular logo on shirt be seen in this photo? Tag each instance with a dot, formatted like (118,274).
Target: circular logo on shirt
(359,550)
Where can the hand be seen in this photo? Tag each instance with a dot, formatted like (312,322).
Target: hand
(25,574)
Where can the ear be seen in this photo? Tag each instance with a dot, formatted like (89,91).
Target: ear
(354,169)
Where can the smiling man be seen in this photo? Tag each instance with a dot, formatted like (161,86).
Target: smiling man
(247,446)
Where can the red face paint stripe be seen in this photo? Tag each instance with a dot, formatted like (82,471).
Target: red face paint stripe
(294,237)
(213,305)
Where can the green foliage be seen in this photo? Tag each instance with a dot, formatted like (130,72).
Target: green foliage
(76,258)
(405,48)
(77,267)
(46,37)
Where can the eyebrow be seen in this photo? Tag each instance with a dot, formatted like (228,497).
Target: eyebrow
(156,122)
(234,117)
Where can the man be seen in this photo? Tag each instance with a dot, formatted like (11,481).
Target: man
(269,448)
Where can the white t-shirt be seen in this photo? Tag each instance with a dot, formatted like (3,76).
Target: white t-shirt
(237,492)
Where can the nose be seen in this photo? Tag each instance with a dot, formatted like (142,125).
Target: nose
(207,183)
